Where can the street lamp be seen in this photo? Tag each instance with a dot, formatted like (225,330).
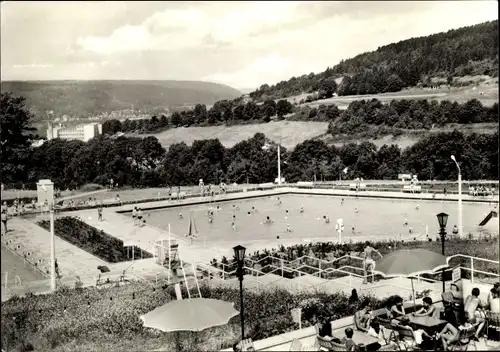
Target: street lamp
(239,253)
(460,223)
(442,219)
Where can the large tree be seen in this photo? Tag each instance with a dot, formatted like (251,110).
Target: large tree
(17,134)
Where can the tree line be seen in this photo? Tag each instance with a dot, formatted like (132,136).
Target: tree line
(465,51)
(143,162)
(358,117)
(410,114)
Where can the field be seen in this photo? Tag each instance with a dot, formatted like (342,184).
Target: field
(251,232)
(293,132)
(486,92)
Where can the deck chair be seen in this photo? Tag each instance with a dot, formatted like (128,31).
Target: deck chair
(402,339)
(296,345)
(247,345)
(328,345)
(465,338)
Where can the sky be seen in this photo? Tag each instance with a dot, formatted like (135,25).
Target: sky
(242,44)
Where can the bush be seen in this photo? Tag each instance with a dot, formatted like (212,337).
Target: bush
(90,187)
(92,240)
(88,319)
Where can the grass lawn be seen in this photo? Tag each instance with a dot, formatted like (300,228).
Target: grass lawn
(293,133)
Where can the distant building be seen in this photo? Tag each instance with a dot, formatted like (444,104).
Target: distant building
(82,132)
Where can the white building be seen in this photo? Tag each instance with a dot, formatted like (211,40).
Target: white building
(82,132)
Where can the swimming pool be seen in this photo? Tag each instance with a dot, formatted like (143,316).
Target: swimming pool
(375,219)
(14,265)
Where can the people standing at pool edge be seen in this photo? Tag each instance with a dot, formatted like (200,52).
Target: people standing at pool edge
(369,262)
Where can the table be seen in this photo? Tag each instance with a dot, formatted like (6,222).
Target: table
(426,322)
(358,337)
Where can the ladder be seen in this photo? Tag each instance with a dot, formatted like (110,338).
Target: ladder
(195,294)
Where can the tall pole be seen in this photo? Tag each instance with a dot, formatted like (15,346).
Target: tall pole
(52,252)
(169,253)
(460,210)
(442,233)
(240,274)
(279,164)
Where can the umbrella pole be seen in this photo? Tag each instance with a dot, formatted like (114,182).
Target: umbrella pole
(413,294)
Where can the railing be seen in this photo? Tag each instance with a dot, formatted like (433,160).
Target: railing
(320,271)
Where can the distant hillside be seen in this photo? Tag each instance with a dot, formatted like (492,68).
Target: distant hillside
(465,51)
(92,98)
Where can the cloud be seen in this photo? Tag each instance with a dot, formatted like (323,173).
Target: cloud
(238,43)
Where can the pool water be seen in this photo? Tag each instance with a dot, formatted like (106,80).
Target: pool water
(14,265)
(375,219)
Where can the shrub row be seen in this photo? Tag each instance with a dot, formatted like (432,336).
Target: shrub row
(92,240)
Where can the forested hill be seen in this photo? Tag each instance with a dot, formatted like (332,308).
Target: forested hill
(92,98)
(465,51)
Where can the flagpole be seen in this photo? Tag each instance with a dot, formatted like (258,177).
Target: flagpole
(169,254)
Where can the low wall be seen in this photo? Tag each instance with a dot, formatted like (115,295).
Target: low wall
(306,336)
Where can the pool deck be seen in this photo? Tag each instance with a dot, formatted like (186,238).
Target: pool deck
(74,261)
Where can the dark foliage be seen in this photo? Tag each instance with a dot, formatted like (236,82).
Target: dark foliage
(143,162)
(465,51)
(93,98)
(414,114)
(92,240)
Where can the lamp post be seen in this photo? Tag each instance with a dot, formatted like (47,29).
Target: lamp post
(239,253)
(279,162)
(52,251)
(442,219)
(460,223)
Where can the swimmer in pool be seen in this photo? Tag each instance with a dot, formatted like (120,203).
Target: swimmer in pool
(327,219)
(410,230)
(342,201)
(406,221)
(180,215)
(301,210)
(288,228)
(417,207)
(218,208)
(353,229)
(254,210)
(356,210)
(268,220)
(210,220)
(234,217)
(249,213)
(233,226)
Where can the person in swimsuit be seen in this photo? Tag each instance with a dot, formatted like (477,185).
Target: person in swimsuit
(301,209)
(139,216)
(268,220)
(369,262)
(327,219)
(233,226)
(288,228)
(99,213)
(134,215)
(356,210)
(4,220)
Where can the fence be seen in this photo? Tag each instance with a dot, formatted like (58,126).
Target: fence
(326,269)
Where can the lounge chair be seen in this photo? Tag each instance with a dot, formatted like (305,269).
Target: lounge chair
(465,338)
(328,344)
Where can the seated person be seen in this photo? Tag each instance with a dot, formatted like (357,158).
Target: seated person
(397,308)
(474,313)
(449,334)
(378,332)
(350,345)
(362,317)
(427,310)
(325,330)
(404,324)
(494,299)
